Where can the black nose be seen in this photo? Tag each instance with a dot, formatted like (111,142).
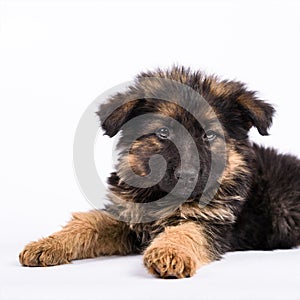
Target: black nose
(189,175)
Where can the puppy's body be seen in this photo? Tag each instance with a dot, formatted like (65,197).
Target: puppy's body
(255,206)
(270,218)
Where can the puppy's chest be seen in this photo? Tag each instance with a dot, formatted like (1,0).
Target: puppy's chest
(188,212)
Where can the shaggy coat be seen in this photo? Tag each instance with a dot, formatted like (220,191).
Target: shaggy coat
(253,203)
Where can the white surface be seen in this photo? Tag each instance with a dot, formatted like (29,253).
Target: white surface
(252,275)
(56,57)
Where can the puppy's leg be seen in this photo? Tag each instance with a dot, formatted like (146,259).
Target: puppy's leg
(87,235)
(178,251)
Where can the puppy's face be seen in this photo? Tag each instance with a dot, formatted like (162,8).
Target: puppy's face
(174,149)
(171,146)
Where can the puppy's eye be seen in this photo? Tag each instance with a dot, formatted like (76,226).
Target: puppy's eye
(210,135)
(163,133)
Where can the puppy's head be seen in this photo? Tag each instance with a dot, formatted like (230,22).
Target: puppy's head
(172,138)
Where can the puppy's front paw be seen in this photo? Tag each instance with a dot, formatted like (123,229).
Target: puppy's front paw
(169,262)
(45,252)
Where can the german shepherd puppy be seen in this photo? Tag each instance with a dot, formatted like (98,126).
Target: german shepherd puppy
(184,217)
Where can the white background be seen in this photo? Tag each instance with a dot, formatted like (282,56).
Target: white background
(56,57)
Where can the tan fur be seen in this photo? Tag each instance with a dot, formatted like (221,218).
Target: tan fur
(131,160)
(222,88)
(152,143)
(178,251)
(87,235)
(218,88)
(168,108)
(248,103)
(235,165)
(135,165)
(208,213)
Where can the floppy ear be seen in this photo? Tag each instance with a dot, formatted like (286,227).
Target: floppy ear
(116,112)
(259,112)
(256,112)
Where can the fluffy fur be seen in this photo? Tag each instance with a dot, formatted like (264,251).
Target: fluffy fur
(256,206)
